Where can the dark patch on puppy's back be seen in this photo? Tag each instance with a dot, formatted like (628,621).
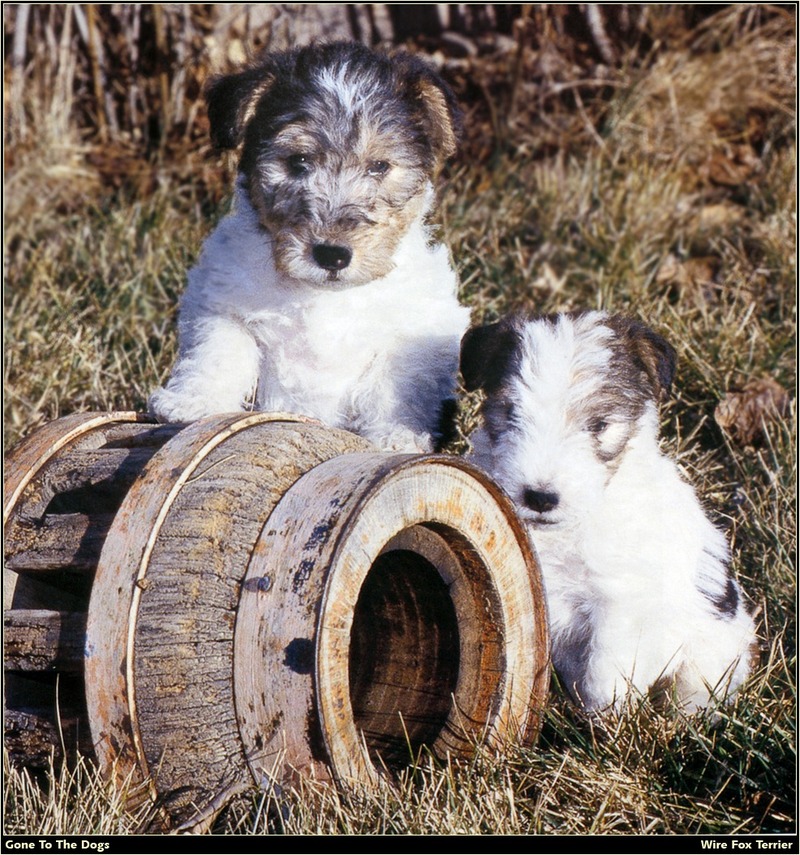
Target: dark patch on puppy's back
(725,602)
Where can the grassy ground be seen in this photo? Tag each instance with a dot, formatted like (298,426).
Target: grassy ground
(677,206)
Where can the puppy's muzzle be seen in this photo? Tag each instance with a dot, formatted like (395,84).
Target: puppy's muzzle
(331,257)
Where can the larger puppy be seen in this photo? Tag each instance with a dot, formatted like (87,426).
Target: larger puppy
(322,292)
(638,589)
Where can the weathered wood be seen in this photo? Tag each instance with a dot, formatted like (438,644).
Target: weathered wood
(202,545)
(270,597)
(26,496)
(33,737)
(137,435)
(34,452)
(57,542)
(402,690)
(90,480)
(41,640)
(98,477)
(160,632)
(63,590)
(341,533)
(47,573)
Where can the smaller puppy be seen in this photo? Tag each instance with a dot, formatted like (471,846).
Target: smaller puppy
(638,589)
(323,289)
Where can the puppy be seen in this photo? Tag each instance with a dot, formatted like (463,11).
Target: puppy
(638,589)
(323,292)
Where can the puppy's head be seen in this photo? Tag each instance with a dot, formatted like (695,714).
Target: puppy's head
(340,147)
(567,397)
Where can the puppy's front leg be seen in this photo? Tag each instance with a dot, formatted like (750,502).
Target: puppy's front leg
(384,417)
(216,371)
(408,395)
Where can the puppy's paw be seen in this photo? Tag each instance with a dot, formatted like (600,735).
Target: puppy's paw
(171,407)
(402,439)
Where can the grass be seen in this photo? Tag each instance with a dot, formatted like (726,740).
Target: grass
(65,801)
(92,279)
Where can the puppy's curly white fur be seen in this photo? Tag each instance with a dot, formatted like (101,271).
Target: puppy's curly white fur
(638,589)
(322,290)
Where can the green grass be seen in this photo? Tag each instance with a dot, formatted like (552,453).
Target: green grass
(93,276)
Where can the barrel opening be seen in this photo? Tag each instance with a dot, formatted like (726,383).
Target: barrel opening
(404,657)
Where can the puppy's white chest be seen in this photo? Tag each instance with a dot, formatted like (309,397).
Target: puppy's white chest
(310,360)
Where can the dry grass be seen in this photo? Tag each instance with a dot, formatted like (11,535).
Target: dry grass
(693,165)
(64,801)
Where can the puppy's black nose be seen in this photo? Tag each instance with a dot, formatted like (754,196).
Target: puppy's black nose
(540,501)
(331,257)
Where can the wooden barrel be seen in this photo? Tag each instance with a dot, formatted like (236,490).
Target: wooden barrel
(256,597)
(62,486)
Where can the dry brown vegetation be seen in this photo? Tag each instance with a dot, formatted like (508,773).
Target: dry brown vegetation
(653,172)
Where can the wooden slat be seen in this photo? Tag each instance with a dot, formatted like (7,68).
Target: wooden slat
(126,435)
(41,640)
(59,541)
(108,471)
(85,481)
(24,495)
(32,735)
(29,457)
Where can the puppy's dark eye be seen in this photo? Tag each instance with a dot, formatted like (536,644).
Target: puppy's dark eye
(597,426)
(377,168)
(299,164)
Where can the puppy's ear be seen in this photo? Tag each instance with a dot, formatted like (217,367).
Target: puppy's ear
(654,354)
(488,354)
(232,100)
(441,116)
(435,105)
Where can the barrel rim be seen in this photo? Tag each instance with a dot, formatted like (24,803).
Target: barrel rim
(329,704)
(31,454)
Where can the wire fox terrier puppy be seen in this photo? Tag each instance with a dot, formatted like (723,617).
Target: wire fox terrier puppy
(638,589)
(323,290)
